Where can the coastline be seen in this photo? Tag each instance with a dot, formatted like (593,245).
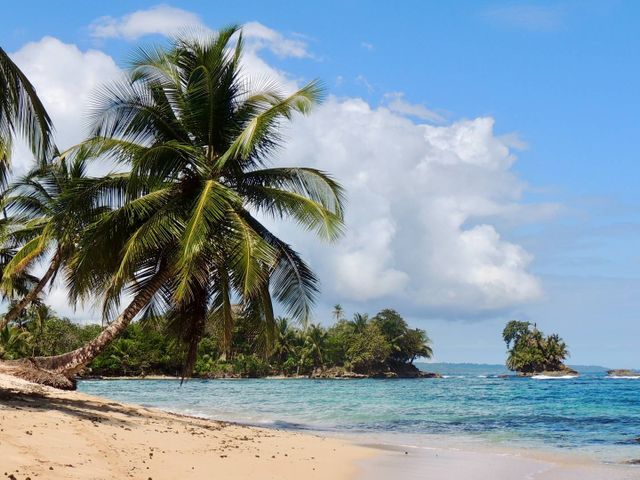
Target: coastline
(451,462)
(82,436)
(47,433)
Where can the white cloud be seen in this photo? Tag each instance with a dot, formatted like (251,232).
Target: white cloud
(396,102)
(423,201)
(367,46)
(261,37)
(169,21)
(162,19)
(65,78)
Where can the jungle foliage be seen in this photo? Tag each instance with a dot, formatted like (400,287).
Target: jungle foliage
(361,345)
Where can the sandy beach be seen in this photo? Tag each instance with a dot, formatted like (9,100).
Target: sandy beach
(46,433)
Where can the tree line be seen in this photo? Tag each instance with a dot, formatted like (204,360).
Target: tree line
(382,345)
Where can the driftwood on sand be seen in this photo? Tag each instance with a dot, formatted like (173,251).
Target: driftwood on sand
(28,369)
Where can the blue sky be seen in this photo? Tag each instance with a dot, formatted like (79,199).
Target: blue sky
(559,79)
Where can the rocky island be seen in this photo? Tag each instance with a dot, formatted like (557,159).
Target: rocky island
(623,372)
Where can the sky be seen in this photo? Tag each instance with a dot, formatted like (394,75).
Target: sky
(488,149)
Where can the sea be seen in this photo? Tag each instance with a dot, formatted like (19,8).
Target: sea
(593,414)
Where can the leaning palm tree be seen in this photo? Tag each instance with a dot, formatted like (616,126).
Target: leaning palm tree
(188,240)
(41,205)
(21,114)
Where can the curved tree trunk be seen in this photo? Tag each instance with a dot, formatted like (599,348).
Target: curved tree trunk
(35,291)
(72,362)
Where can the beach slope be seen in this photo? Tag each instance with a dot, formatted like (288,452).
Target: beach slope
(47,433)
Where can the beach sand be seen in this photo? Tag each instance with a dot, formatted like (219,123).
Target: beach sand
(50,434)
(47,433)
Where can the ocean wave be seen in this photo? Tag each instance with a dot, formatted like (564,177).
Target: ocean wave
(553,377)
(624,377)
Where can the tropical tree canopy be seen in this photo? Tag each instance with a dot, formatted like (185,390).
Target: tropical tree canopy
(183,231)
(41,205)
(531,351)
(144,348)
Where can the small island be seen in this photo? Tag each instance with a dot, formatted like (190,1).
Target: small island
(531,352)
(623,373)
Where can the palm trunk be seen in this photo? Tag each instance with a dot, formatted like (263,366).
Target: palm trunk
(33,294)
(71,363)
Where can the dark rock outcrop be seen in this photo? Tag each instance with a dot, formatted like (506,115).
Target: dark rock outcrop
(560,372)
(623,372)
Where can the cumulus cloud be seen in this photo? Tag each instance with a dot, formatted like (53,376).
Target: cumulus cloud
(264,37)
(65,78)
(169,21)
(396,102)
(162,19)
(422,201)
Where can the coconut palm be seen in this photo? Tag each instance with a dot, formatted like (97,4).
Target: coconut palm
(21,113)
(314,340)
(10,243)
(14,342)
(555,351)
(286,339)
(49,229)
(338,312)
(359,322)
(187,241)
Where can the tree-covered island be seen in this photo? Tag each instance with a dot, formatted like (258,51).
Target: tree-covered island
(531,352)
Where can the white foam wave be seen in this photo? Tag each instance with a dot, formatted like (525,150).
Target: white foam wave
(624,377)
(552,377)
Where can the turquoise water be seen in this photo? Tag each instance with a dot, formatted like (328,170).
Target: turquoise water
(592,414)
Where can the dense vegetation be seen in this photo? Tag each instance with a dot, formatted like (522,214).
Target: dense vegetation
(531,351)
(383,345)
(178,231)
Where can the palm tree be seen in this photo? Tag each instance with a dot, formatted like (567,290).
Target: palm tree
(338,312)
(285,341)
(41,202)
(314,341)
(21,113)
(10,243)
(14,341)
(185,240)
(359,322)
(555,351)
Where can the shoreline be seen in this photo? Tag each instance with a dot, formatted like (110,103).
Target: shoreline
(47,433)
(83,436)
(482,462)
